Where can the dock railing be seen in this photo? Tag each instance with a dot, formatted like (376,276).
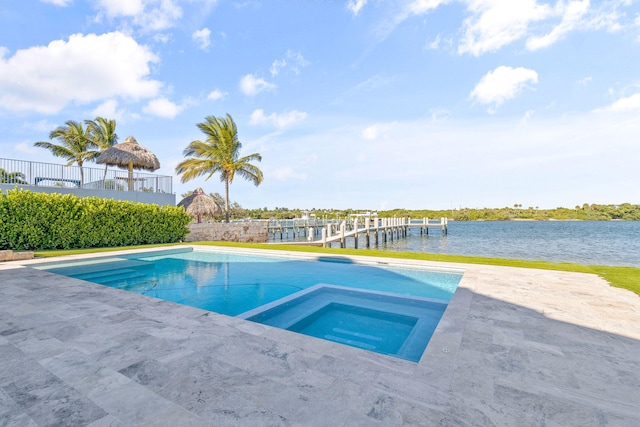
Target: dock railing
(324,232)
(24,172)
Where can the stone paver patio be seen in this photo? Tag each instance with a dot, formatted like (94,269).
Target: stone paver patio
(516,347)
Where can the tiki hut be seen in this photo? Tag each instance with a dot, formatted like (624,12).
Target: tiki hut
(198,204)
(130,155)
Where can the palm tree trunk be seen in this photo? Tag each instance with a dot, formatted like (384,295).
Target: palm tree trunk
(226,199)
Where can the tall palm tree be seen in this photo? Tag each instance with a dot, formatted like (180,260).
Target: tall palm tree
(75,145)
(102,132)
(219,153)
(12,177)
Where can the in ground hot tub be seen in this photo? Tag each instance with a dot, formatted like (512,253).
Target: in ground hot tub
(396,325)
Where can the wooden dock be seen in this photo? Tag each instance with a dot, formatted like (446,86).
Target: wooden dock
(371,230)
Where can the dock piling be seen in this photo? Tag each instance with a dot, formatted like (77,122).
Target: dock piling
(328,231)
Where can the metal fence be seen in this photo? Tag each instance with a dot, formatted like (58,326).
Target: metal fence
(39,174)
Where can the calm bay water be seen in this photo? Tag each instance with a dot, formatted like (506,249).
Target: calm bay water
(580,242)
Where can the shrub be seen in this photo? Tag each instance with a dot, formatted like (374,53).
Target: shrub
(42,221)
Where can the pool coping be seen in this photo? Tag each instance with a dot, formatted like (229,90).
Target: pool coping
(361,260)
(514,346)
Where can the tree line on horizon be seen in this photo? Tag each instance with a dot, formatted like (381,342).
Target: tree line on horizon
(586,212)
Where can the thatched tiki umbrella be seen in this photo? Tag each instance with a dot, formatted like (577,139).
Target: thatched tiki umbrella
(198,204)
(131,155)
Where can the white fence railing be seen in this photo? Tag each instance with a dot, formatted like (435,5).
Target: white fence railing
(52,175)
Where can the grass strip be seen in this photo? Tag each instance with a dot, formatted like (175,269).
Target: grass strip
(66,252)
(621,277)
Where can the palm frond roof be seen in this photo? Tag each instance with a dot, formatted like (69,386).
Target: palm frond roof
(198,203)
(129,151)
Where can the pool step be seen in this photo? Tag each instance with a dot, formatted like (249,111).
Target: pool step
(110,276)
(77,268)
(354,343)
(105,273)
(354,338)
(357,334)
(116,278)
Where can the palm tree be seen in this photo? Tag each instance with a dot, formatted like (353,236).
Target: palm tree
(12,177)
(75,145)
(218,199)
(219,153)
(102,133)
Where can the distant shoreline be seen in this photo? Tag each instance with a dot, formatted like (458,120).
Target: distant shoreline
(586,212)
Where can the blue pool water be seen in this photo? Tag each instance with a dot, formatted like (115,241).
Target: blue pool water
(233,284)
(386,323)
(370,325)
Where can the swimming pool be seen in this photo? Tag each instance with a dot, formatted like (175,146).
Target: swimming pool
(235,283)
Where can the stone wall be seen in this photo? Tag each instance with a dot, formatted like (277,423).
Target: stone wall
(15,256)
(253,232)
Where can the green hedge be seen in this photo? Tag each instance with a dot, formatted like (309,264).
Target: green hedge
(42,221)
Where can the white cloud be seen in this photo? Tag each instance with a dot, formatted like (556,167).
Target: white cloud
(216,94)
(202,38)
(435,44)
(493,24)
(161,17)
(296,61)
(162,38)
(117,8)
(287,173)
(630,103)
(162,107)
(527,115)
(109,110)
(293,62)
(439,43)
(439,114)
(419,7)
(355,6)
(277,65)
(41,126)
(280,121)
(572,14)
(496,23)
(606,15)
(586,81)
(151,15)
(26,147)
(62,3)
(407,10)
(374,132)
(251,85)
(502,84)
(490,25)
(84,69)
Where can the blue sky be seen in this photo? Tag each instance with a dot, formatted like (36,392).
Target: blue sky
(359,104)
